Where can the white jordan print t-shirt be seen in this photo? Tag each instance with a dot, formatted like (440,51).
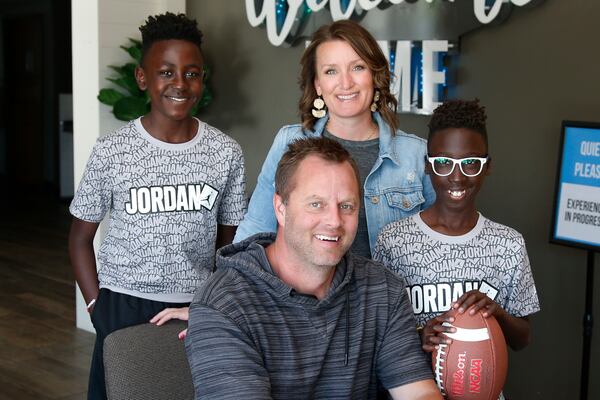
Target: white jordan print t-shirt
(165,201)
(439,268)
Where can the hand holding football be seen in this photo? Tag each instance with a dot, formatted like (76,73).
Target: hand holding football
(474,365)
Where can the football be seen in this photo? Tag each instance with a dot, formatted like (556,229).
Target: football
(474,365)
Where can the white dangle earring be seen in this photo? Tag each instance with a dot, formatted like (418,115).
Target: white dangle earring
(376,97)
(319,108)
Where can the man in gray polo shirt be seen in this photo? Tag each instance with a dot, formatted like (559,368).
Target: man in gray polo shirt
(294,315)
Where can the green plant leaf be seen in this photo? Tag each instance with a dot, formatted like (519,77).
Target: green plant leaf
(124,71)
(136,42)
(129,108)
(206,98)
(134,51)
(195,110)
(109,96)
(127,83)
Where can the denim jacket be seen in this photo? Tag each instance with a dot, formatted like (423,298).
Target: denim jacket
(395,188)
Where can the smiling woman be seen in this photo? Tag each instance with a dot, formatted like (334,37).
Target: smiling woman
(345,83)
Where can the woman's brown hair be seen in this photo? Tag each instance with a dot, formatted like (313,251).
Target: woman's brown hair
(367,48)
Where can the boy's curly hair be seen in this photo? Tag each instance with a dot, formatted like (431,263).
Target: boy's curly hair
(459,114)
(169,26)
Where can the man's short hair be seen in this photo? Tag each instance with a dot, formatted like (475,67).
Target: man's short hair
(459,114)
(169,26)
(298,150)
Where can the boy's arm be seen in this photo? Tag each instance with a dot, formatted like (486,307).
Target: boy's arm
(516,329)
(83,258)
(225,235)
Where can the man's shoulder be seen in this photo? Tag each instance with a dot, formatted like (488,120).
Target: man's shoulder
(232,293)
(245,299)
(221,288)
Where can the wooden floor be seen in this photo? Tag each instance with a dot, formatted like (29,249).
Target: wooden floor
(42,354)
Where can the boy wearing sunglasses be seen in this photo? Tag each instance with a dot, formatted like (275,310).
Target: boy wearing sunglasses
(450,255)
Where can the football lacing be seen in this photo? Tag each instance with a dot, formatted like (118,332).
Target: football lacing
(439,360)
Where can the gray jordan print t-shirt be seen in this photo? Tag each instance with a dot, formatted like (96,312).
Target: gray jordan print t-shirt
(164,202)
(438,268)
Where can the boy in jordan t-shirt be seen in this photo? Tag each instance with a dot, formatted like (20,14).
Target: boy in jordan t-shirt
(173,188)
(450,255)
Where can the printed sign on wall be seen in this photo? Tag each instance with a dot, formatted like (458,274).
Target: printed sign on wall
(576,220)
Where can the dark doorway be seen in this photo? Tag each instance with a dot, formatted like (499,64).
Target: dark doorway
(23,66)
(35,67)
